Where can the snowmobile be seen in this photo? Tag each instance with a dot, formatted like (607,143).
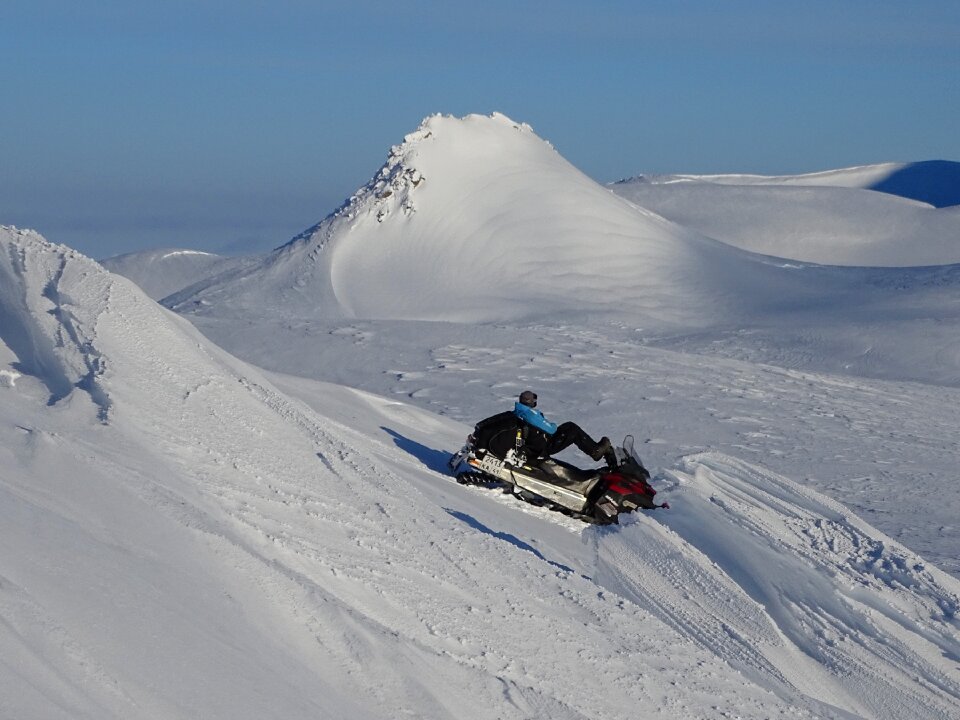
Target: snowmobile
(496,454)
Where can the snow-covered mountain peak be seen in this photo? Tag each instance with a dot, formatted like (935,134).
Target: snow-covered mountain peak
(478,218)
(490,135)
(392,190)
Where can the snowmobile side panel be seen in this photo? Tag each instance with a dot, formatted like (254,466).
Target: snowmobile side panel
(568,498)
(526,478)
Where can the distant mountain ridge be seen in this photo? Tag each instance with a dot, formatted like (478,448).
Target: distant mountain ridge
(163,272)
(862,216)
(935,182)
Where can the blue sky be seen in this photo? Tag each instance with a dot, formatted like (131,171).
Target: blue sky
(130,124)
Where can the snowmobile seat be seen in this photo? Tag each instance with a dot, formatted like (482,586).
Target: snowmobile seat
(568,476)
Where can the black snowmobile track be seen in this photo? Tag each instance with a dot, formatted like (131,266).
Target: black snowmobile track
(478,479)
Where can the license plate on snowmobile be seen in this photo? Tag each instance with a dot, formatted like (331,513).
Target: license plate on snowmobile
(491,465)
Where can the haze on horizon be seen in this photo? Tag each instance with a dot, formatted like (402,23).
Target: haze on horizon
(131,125)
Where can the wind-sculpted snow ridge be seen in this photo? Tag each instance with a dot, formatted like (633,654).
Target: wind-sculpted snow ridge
(50,300)
(936,182)
(793,590)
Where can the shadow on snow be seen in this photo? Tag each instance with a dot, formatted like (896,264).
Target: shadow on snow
(436,460)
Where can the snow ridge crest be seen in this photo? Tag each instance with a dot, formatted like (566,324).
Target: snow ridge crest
(392,189)
(51,298)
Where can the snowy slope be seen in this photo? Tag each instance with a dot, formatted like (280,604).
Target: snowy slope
(195,538)
(798,219)
(163,272)
(889,450)
(742,570)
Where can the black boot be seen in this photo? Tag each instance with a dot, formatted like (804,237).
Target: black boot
(610,457)
(603,448)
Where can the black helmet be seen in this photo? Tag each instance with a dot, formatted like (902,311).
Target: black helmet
(528,398)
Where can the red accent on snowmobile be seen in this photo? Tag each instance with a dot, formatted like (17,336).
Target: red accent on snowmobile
(624,485)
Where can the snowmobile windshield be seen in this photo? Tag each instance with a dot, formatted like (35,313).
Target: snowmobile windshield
(629,450)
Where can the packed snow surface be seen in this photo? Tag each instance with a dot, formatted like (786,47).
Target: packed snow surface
(196,536)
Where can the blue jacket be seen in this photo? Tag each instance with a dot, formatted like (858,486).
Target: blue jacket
(534,417)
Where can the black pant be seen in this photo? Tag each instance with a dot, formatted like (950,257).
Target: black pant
(567,434)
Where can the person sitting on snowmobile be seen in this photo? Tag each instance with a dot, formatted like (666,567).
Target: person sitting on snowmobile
(547,438)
